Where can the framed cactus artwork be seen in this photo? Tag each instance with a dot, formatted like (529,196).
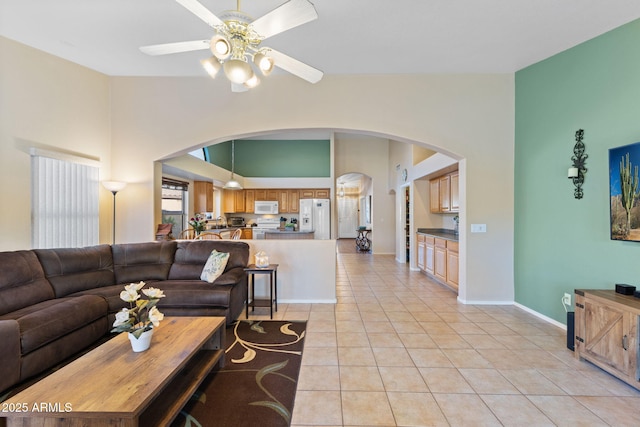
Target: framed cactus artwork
(624,163)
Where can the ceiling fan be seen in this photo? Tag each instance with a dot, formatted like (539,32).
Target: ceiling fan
(237,42)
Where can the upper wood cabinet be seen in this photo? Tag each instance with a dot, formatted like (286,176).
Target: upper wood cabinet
(444,195)
(315,193)
(203,196)
(434,195)
(249,200)
(455,192)
(283,201)
(234,201)
(294,201)
(288,199)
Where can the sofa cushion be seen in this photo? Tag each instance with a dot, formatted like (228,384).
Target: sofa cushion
(50,320)
(75,269)
(215,265)
(22,281)
(192,255)
(193,293)
(133,262)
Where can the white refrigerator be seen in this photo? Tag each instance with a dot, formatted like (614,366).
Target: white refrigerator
(315,215)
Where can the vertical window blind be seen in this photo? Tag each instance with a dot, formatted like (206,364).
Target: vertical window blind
(64,205)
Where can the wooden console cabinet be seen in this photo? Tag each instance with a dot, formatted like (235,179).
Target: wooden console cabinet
(606,332)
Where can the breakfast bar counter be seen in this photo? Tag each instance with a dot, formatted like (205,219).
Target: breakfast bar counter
(288,235)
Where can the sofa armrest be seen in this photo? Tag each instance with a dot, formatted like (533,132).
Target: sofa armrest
(231,277)
(9,354)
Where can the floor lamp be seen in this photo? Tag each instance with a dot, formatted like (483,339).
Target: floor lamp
(114,187)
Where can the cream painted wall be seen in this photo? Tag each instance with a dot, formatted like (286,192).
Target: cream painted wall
(466,116)
(49,103)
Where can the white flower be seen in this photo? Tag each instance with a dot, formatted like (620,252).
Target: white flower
(155,316)
(129,295)
(153,293)
(122,317)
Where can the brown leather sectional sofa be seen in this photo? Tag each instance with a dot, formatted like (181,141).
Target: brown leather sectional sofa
(55,303)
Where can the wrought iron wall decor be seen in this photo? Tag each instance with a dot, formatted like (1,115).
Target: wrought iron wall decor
(578,170)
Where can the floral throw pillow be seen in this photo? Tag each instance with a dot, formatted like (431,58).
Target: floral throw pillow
(215,266)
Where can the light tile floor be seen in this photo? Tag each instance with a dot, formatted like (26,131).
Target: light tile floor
(399,350)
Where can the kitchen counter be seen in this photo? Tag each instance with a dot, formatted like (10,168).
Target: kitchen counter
(442,233)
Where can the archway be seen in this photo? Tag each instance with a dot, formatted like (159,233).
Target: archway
(354,192)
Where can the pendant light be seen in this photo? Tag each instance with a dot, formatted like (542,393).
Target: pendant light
(232,184)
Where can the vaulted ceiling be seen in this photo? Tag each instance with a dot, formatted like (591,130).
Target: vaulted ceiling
(349,37)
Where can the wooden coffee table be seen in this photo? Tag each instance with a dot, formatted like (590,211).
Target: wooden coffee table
(113,386)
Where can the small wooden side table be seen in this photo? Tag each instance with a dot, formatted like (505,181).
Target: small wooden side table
(251,301)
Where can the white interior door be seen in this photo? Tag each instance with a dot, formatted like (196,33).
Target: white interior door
(347,217)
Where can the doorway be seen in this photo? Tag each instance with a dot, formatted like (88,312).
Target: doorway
(354,194)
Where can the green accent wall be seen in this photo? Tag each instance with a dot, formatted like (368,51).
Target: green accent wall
(275,158)
(563,243)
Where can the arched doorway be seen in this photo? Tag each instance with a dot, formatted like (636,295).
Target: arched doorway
(354,196)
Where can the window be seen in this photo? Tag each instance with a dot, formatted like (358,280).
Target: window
(64,201)
(174,204)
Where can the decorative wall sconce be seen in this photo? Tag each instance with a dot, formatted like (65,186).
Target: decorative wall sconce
(577,171)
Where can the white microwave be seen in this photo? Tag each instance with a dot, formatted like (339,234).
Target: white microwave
(268,207)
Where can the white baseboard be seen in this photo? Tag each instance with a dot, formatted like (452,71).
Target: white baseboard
(290,301)
(467,302)
(541,316)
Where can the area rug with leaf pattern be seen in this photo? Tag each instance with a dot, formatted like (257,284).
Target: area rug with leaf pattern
(257,385)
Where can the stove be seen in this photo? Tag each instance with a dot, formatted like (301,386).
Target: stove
(264,224)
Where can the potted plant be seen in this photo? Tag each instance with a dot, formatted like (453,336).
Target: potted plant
(198,223)
(142,315)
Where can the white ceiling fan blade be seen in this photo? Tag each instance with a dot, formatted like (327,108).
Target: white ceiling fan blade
(201,12)
(295,67)
(178,47)
(284,17)
(238,87)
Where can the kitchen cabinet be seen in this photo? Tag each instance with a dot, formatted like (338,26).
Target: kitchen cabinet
(273,195)
(294,201)
(452,264)
(438,257)
(261,195)
(434,196)
(455,192)
(233,201)
(440,260)
(247,233)
(421,251)
(444,193)
(314,193)
(606,332)
(429,254)
(283,201)
(249,200)
(202,196)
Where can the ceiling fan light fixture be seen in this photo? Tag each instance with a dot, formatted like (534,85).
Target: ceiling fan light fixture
(252,82)
(211,66)
(237,70)
(264,63)
(220,47)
